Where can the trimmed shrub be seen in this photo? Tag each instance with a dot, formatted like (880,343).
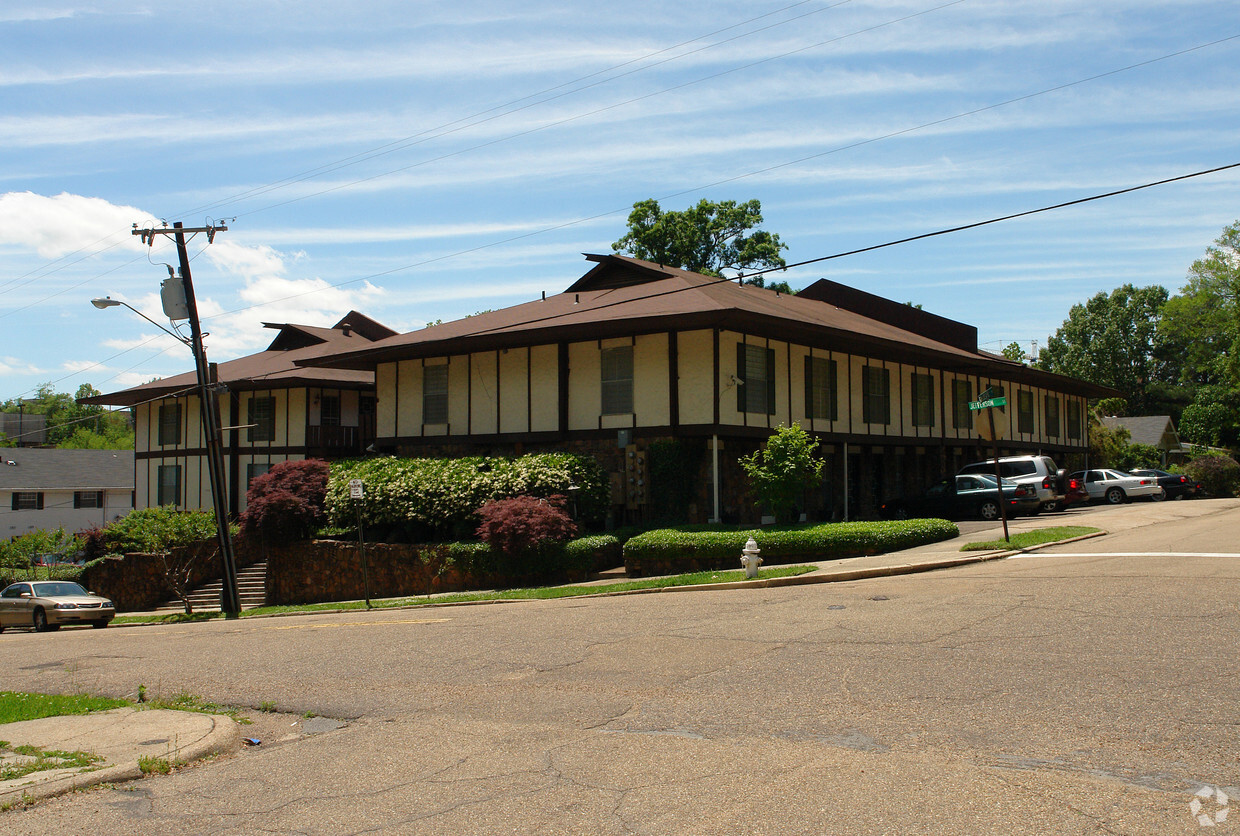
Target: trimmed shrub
(1219,474)
(673,551)
(420,500)
(286,502)
(528,531)
(152,530)
(783,470)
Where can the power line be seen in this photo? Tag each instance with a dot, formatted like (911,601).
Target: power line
(871,248)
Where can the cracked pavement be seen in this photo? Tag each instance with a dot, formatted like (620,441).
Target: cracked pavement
(1085,694)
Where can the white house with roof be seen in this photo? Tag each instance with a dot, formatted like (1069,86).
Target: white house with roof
(47,488)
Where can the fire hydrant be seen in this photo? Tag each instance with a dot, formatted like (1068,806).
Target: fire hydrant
(750,559)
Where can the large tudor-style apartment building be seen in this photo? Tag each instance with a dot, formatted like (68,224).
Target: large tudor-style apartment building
(272,410)
(635,351)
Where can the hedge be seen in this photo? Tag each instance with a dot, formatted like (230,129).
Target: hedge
(415,500)
(672,551)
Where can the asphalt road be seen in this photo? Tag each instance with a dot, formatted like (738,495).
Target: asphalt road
(1093,692)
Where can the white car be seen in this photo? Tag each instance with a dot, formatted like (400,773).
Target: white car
(1037,473)
(1116,486)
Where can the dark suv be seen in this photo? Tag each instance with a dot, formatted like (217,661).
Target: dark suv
(1037,473)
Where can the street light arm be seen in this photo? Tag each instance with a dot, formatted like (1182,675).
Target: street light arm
(109,302)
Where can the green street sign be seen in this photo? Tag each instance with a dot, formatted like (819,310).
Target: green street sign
(976,406)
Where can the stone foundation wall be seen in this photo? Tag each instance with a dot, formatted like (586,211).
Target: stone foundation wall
(137,582)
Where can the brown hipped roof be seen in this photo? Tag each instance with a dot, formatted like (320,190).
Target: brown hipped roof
(622,296)
(275,368)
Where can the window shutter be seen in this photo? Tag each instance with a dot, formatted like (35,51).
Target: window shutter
(809,388)
(77,499)
(740,373)
(770,381)
(14,500)
(39,502)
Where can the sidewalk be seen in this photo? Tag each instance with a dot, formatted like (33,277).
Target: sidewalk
(121,737)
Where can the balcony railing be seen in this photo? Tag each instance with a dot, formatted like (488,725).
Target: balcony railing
(344,439)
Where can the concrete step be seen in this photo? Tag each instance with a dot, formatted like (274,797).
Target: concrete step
(251,592)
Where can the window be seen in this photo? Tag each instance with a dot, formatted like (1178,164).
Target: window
(617,378)
(170,423)
(329,411)
(923,400)
(88,499)
(1024,412)
(875,395)
(755,388)
(1052,416)
(821,400)
(1074,419)
(27,501)
(254,470)
(263,414)
(169,490)
(962,396)
(435,394)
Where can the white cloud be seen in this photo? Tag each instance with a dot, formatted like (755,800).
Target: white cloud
(17,366)
(67,223)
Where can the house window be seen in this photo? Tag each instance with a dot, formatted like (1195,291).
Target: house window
(755,389)
(1052,416)
(329,411)
(88,499)
(923,400)
(875,395)
(169,489)
(617,379)
(1074,419)
(262,412)
(170,423)
(1024,412)
(821,400)
(435,394)
(254,470)
(962,396)
(27,500)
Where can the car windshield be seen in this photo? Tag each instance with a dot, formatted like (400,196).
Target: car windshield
(55,589)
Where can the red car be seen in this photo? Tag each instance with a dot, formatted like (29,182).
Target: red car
(1074,494)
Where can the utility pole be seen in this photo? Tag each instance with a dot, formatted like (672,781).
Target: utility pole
(230,602)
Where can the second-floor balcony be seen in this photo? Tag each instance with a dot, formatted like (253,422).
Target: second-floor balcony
(337,439)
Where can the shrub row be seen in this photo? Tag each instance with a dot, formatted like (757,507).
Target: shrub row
(415,500)
(673,551)
(1220,475)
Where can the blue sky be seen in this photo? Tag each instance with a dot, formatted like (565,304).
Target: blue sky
(423,161)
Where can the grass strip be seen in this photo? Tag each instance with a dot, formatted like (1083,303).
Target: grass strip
(533,593)
(1037,537)
(16,706)
(34,759)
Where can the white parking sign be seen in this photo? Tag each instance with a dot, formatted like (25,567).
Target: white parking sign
(355,489)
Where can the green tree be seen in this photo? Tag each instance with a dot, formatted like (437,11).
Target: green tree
(1015,353)
(707,238)
(1200,332)
(782,470)
(74,425)
(1111,340)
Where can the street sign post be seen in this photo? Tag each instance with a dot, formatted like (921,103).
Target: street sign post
(357,492)
(991,430)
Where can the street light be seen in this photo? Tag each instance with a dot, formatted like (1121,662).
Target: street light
(108,302)
(178,304)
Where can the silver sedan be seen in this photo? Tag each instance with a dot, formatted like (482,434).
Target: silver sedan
(46,605)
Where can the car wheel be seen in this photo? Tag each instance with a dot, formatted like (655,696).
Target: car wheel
(1115,496)
(988,510)
(1053,505)
(40,622)
(1160,496)
(99,625)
